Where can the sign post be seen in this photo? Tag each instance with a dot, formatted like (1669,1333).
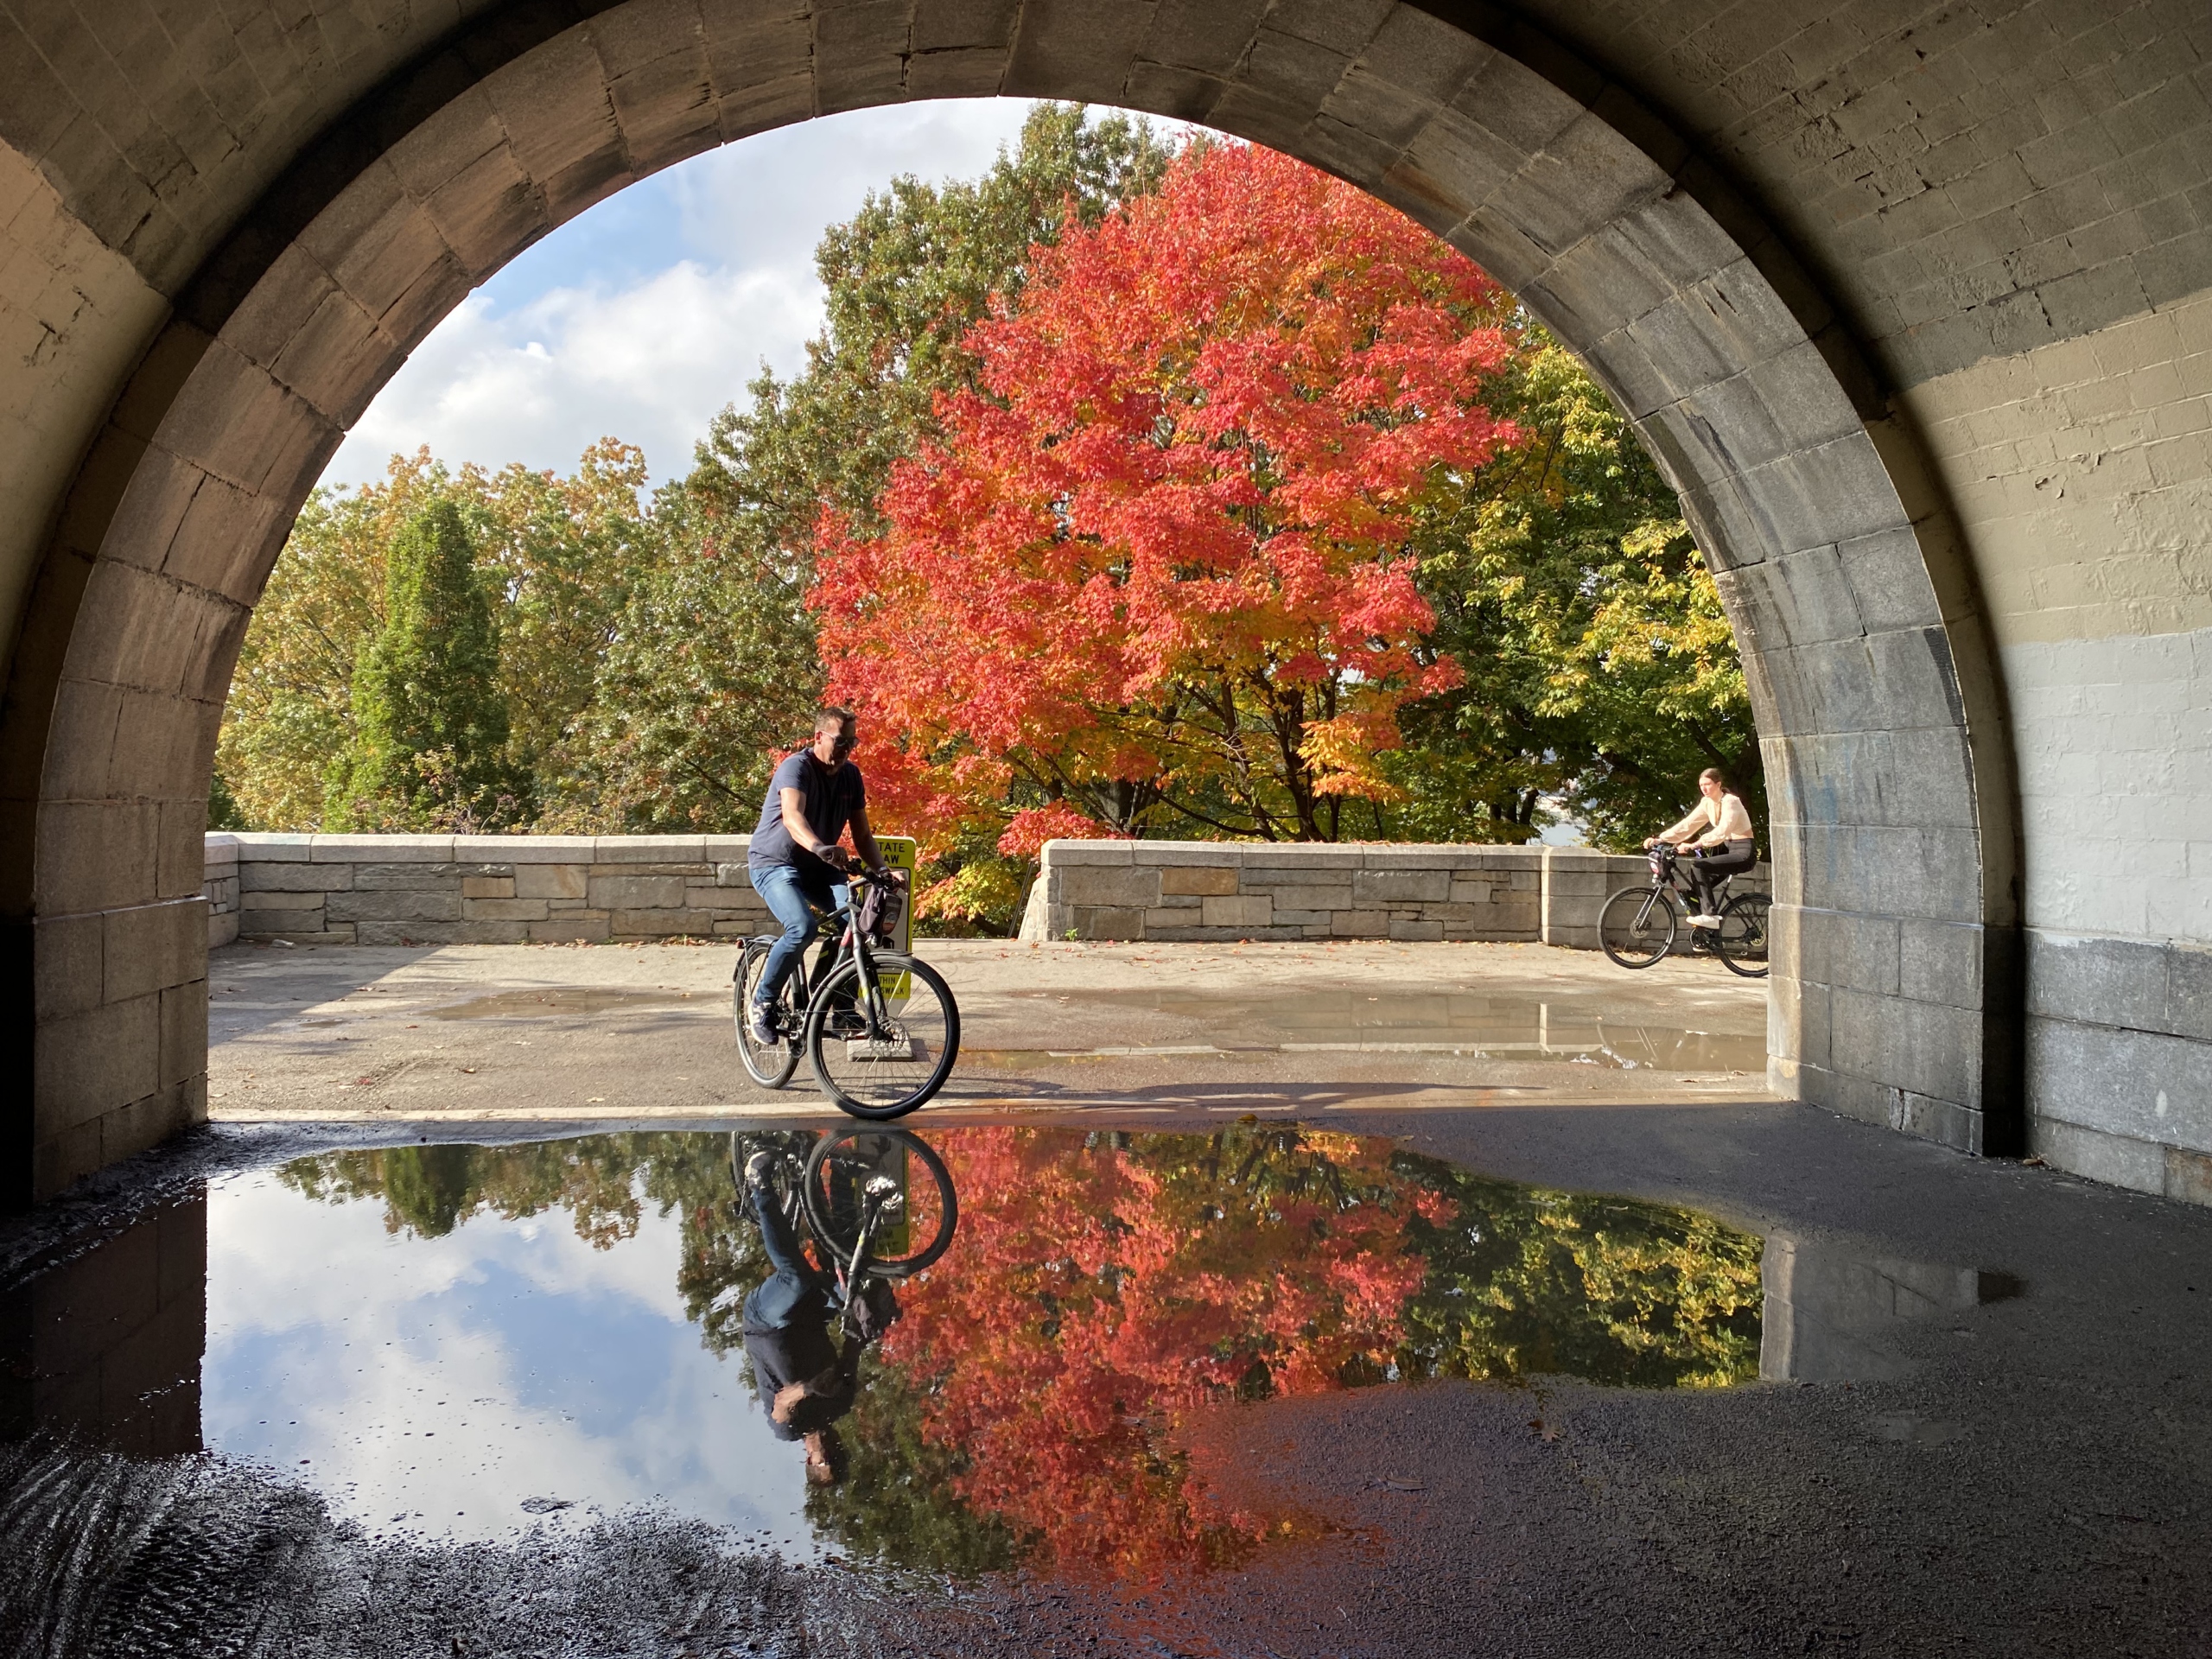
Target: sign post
(900,852)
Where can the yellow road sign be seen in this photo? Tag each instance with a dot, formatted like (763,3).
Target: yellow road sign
(898,852)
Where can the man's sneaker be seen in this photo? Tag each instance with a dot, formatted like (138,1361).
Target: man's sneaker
(762,1026)
(757,1167)
(1703,920)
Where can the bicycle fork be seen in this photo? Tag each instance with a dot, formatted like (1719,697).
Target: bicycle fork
(880,1198)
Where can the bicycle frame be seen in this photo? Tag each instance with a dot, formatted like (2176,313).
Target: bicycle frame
(852,945)
(1669,874)
(849,1272)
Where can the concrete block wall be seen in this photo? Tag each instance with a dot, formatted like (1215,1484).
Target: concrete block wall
(486,889)
(1229,891)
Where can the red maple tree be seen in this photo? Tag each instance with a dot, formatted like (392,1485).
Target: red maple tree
(1097,1298)
(1159,554)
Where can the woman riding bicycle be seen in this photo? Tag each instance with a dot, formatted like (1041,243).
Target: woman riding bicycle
(1717,833)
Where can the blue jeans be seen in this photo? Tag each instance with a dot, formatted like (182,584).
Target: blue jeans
(794,1293)
(781,890)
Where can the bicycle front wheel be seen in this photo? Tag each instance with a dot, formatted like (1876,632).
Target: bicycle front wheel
(769,1064)
(882,1048)
(1743,939)
(1636,927)
(906,1241)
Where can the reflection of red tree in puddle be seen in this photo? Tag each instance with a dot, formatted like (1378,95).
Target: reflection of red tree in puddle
(1094,1297)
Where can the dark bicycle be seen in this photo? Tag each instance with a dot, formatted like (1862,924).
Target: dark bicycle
(880,1028)
(878,1201)
(1639,925)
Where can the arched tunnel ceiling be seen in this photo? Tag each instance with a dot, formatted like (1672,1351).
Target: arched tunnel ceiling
(310,194)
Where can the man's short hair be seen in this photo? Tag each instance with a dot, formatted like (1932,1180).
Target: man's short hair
(826,718)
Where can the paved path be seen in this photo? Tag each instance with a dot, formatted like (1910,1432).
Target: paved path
(556,1033)
(1984,1425)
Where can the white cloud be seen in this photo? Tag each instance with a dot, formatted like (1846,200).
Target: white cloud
(642,317)
(650,363)
(447,1380)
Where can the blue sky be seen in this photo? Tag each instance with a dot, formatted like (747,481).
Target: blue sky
(644,316)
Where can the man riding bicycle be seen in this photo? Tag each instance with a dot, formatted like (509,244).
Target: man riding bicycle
(1717,832)
(794,860)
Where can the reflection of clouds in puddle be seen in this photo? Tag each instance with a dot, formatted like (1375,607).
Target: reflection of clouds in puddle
(448,1379)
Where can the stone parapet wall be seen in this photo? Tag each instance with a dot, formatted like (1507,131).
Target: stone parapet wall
(561,889)
(480,889)
(1228,891)
(219,887)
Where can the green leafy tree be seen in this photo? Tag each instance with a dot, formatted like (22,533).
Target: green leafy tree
(561,555)
(1525,1281)
(558,557)
(430,715)
(291,707)
(708,677)
(1600,671)
(903,280)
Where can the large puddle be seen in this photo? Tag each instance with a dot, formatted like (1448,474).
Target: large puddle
(470,1342)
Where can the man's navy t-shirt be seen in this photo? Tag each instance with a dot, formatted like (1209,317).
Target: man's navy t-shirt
(832,795)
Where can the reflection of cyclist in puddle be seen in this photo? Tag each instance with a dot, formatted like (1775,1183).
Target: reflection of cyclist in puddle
(806,1382)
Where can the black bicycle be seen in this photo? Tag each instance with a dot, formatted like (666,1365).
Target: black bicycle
(879,1202)
(879,1029)
(1639,925)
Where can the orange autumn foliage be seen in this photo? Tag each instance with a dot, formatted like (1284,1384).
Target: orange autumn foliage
(1160,553)
(1095,1299)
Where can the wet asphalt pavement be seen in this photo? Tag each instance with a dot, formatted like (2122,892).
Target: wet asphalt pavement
(1381,1369)
(554,1033)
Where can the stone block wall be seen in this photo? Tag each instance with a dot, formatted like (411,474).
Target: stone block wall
(481,889)
(1229,891)
(221,888)
(556,889)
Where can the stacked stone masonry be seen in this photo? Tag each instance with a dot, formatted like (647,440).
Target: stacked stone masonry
(559,889)
(1223,891)
(479,889)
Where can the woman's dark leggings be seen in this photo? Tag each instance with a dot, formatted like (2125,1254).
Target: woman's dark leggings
(1732,858)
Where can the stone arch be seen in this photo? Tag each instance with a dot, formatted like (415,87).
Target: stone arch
(1885,744)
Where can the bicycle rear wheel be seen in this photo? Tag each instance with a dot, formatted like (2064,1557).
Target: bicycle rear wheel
(837,1173)
(770,1065)
(1743,935)
(1636,927)
(882,1049)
